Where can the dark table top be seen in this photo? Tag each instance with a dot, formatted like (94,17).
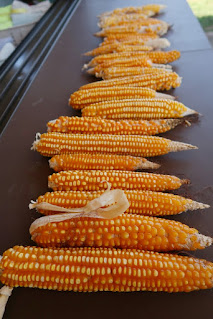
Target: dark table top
(24,173)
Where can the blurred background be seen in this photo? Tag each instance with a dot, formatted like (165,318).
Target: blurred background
(17,18)
(203,10)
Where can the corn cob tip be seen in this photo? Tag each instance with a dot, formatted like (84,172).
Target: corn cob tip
(165,67)
(204,241)
(179,146)
(91,71)
(174,122)
(147,165)
(189,112)
(85,66)
(196,205)
(160,43)
(34,145)
(164,96)
(162,7)
(88,53)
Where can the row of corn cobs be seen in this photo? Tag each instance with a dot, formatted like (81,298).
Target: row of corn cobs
(120,115)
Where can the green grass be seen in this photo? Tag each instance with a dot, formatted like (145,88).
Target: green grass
(203,10)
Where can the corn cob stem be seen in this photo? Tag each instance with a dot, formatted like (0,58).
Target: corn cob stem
(99,269)
(137,109)
(88,125)
(5,293)
(98,180)
(49,144)
(83,98)
(156,81)
(126,231)
(141,202)
(83,161)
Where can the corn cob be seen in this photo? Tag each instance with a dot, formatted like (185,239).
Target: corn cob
(99,269)
(83,98)
(88,125)
(130,62)
(49,144)
(135,66)
(117,20)
(120,36)
(156,57)
(97,180)
(125,231)
(83,161)
(117,47)
(158,81)
(141,202)
(119,71)
(137,109)
(139,28)
(125,62)
(149,9)
(154,43)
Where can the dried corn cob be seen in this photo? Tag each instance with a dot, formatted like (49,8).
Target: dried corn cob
(159,28)
(149,9)
(125,62)
(120,36)
(120,71)
(125,231)
(161,43)
(117,20)
(82,161)
(156,81)
(49,144)
(93,269)
(83,98)
(137,109)
(88,125)
(117,47)
(97,180)
(141,202)
(156,57)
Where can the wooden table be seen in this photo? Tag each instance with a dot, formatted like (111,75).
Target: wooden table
(24,173)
